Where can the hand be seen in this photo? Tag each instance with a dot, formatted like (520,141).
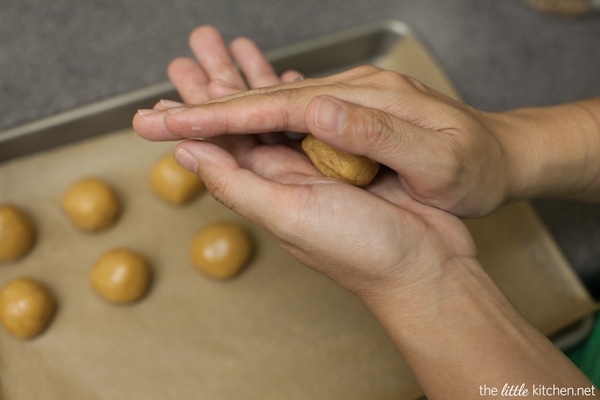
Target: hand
(443,151)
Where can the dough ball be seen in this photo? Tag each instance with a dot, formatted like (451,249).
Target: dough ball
(173,183)
(334,163)
(564,8)
(121,276)
(221,249)
(17,233)
(91,204)
(26,307)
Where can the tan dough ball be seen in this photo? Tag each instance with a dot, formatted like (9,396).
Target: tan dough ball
(26,307)
(173,183)
(17,233)
(221,249)
(564,8)
(91,204)
(334,163)
(121,276)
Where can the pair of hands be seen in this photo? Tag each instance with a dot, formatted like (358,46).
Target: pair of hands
(438,154)
(397,243)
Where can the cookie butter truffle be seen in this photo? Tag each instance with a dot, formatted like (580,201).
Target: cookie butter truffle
(221,249)
(121,276)
(26,307)
(334,163)
(16,233)
(173,183)
(91,204)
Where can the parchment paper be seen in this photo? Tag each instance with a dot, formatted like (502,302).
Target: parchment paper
(277,331)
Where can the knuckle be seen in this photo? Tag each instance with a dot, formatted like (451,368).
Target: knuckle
(359,75)
(415,83)
(366,70)
(454,159)
(401,82)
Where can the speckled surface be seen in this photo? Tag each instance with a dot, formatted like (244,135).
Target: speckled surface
(58,55)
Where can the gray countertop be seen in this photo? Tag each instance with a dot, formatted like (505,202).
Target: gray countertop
(55,56)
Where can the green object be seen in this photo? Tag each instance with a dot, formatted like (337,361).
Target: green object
(587,354)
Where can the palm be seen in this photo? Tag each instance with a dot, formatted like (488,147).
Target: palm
(356,237)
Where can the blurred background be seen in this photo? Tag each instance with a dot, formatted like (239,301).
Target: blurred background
(59,55)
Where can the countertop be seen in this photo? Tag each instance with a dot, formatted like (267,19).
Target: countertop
(55,56)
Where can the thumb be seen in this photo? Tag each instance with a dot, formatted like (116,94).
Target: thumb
(373,133)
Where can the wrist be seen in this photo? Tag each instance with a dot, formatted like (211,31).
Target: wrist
(463,330)
(551,151)
(592,190)
(428,286)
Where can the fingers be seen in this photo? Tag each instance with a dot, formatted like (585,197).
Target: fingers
(272,109)
(165,104)
(215,74)
(282,110)
(264,110)
(259,73)
(189,79)
(209,48)
(150,124)
(375,113)
(241,115)
(257,69)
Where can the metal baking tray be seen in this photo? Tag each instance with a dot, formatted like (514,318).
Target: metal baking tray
(320,56)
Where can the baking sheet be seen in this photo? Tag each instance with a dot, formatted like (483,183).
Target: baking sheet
(279,329)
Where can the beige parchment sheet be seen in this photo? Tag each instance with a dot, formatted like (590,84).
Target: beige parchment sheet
(278,331)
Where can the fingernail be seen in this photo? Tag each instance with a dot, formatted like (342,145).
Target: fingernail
(170,103)
(186,160)
(225,83)
(145,111)
(300,78)
(176,110)
(330,115)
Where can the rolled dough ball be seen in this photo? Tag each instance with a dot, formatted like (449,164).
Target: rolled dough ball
(173,183)
(121,276)
(221,249)
(17,233)
(91,204)
(565,8)
(26,307)
(334,163)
